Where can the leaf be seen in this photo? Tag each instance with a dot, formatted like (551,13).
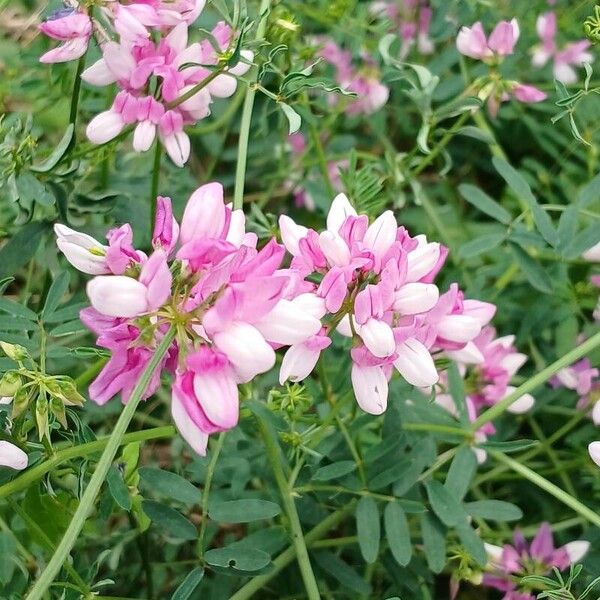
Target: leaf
(494,510)
(31,189)
(334,470)
(368,528)
(189,584)
(342,572)
(68,328)
(397,533)
(472,543)
(171,485)
(390,475)
(461,472)
(14,323)
(58,152)
(584,240)
(294,119)
(118,489)
(479,199)
(457,107)
(567,228)
(476,134)
(21,248)
(14,308)
(509,447)
(8,550)
(170,521)
(457,392)
(243,511)
(237,557)
(444,504)
(57,290)
(589,193)
(434,542)
(481,244)
(533,271)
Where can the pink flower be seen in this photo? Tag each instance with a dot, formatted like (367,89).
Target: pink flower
(528,93)
(71,27)
(81,250)
(572,55)
(510,563)
(166,228)
(472,42)
(12,456)
(583,379)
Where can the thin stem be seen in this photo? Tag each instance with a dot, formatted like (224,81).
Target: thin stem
(82,450)
(89,496)
(274,456)
(76,90)
(154,183)
(240,170)
(206,491)
(549,487)
(287,556)
(498,409)
(495,148)
(435,428)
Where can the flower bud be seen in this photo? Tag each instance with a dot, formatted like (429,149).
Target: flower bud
(14,351)
(10,383)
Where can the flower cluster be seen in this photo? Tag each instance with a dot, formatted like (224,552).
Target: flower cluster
(472,42)
(412,19)
(376,282)
(487,364)
(364,81)
(164,83)
(574,54)
(510,563)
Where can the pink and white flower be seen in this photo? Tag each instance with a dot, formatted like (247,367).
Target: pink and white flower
(73,28)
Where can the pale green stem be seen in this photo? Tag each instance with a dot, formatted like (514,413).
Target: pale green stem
(89,496)
(206,491)
(287,556)
(82,450)
(548,486)
(240,170)
(298,541)
(498,409)
(154,183)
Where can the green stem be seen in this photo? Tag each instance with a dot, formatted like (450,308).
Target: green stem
(82,450)
(154,183)
(498,409)
(242,157)
(287,556)
(89,496)
(76,90)
(434,428)
(549,487)
(495,148)
(274,455)
(206,491)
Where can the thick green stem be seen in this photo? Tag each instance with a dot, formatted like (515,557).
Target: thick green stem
(498,409)
(206,491)
(549,487)
(154,183)
(89,496)
(76,90)
(274,456)
(240,169)
(287,556)
(82,450)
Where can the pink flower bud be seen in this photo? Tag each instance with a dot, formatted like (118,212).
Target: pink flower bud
(74,29)
(370,388)
(300,359)
(117,296)
(415,298)
(339,211)
(471,41)
(166,228)
(204,215)
(528,93)
(415,364)
(291,234)
(381,234)
(12,456)
(504,37)
(81,250)
(378,337)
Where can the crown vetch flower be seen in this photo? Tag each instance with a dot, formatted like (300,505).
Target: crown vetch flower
(376,286)
(73,28)
(12,456)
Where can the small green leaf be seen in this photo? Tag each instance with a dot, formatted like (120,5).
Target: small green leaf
(472,543)
(21,247)
(444,504)
(243,511)
(481,244)
(189,584)
(397,533)
(8,550)
(461,472)
(169,521)
(58,152)
(581,242)
(342,572)
(509,447)
(484,203)
(171,485)
(294,119)
(494,510)
(434,542)
(238,557)
(533,271)
(31,189)
(118,489)
(57,290)
(368,528)
(14,308)
(456,388)
(334,470)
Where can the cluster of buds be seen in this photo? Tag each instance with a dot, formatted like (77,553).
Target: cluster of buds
(412,19)
(472,42)
(364,81)
(27,387)
(376,285)
(234,305)
(164,82)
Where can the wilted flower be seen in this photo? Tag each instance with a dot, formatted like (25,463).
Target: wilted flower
(574,54)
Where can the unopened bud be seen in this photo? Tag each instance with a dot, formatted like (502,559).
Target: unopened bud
(21,401)
(14,351)
(9,384)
